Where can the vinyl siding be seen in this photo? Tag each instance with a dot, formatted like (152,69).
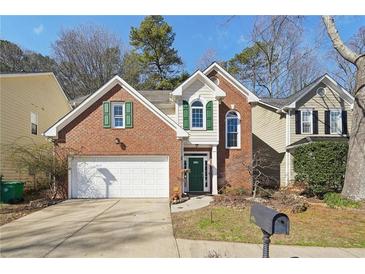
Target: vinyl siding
(331,100)
(269,128)
(199,90)
(19,96)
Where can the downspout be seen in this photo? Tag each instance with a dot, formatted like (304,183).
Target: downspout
(289,142)
(287,118)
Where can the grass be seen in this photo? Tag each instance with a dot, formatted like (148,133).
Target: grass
(335,200)
(318,226)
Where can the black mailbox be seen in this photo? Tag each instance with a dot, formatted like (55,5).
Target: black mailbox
(271,222)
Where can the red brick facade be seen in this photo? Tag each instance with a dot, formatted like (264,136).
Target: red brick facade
(149,135)
(231,170)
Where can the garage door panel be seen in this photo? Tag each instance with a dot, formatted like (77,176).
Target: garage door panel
(114,177)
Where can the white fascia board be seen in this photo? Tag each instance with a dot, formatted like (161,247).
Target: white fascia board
(245,91)
(198,75)
(268,105)
(24,74)
(53,131)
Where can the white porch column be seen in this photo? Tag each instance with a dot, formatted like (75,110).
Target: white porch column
(214,171)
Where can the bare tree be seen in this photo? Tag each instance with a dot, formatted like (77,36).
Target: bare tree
(260,169)
(354,186)
(345,72)
(88,56)
(207,58)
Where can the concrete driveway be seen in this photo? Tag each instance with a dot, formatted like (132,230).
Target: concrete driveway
(93,228)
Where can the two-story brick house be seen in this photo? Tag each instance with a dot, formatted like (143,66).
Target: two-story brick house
(133,143)
(320,111)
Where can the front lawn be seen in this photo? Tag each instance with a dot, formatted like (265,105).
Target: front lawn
(318,226)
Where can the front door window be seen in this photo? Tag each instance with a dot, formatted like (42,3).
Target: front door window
(196,175)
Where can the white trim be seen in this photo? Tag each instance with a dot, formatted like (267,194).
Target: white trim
(203,107)
(119,103)
(53,130)
(245,91)
(214,166)
(205,158)
(287,134)
(341,129)
(198,75)
(328,81)
(301,120)
(238,130)
(268,105)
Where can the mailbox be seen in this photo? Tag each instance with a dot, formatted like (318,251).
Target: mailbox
(270,220)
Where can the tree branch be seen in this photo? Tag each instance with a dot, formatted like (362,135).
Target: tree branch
(338,44)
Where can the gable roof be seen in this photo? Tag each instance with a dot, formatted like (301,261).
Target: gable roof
(52,132)
(198,75)
(245,91)
(290,101)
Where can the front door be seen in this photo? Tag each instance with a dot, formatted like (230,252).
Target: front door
(196,175)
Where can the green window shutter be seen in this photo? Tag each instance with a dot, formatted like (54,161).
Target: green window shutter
(106,114)
(186,115)
(209,116)
(128,114)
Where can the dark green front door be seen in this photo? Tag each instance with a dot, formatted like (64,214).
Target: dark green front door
(196,175)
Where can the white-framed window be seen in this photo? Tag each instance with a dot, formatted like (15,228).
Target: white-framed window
(307,121)
(197,115)
(321,92)
(233,129)
(34,123)
(335,121)
(118,114)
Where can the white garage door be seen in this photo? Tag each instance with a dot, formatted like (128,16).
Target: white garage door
(115,177)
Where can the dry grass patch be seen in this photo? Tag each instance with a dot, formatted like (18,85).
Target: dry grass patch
(318,226)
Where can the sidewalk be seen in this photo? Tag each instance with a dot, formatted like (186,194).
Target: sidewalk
(205,249)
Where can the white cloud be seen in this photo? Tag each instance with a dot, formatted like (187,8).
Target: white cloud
(39,29)
(242,39)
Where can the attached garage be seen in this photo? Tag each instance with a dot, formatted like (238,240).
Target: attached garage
(119,176)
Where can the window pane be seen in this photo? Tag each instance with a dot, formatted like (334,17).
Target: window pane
(34,129)
(232,124)
(197,104)
(197,117)
(118,110)
(118,122)
(231,139)
(335,122)
(306,121)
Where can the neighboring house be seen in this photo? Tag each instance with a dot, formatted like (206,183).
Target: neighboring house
(130,143)
(320,111)
(29,104)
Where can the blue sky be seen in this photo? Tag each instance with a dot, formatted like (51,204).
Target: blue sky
(194,34)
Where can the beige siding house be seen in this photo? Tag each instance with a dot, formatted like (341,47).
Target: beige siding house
(29,104)
(321,111)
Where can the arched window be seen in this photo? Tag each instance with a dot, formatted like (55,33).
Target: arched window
(197,115)
(233,130)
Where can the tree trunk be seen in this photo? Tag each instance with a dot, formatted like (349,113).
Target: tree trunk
(354,187)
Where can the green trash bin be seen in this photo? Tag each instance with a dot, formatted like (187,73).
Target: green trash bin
(11,191)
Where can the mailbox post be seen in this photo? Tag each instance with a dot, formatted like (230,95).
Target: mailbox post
(271,222)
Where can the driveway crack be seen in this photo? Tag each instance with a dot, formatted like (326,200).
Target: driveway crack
(81,228)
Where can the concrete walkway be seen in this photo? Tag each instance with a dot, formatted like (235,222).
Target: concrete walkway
(205,249)
(93,228)
(193,203)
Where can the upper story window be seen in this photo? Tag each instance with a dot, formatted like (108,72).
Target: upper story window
(307,121)
(233,130)
(118,114)
(197,115)
(336,121)
(34,123)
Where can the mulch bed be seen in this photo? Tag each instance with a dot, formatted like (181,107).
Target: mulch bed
(33,201)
